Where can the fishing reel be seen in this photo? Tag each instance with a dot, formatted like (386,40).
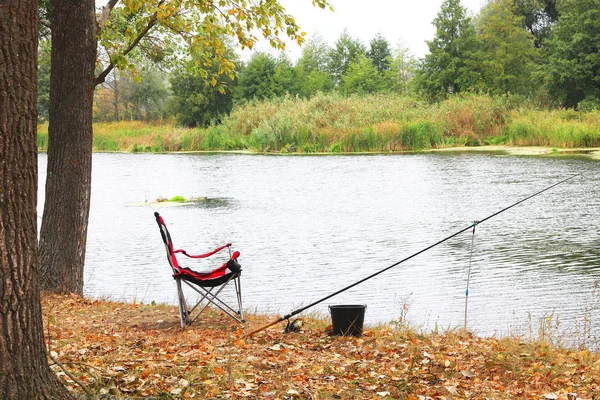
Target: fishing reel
(293,326)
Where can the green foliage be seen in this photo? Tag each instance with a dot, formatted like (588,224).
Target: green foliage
(573,53)
(311,72)
(196,101)
(178,199)
(42,137)
(500,58)
(141,96)
(452,63)
(315,55)
(314,82)
(361,78)
(105,143)
(370,123)
(159,31)
(346,51)
(589,104)
(145,96)
(380,53)
(538,17)
(285,79)
(558,128)
(402,69)
(508,55)
(43,80)
(256,79)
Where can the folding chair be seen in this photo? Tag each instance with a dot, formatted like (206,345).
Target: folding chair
(203,282)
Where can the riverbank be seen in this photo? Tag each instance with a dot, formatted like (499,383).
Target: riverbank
(133,350)
(329,123)
(592,152)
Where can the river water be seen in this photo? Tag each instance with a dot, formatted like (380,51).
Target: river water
(307,226)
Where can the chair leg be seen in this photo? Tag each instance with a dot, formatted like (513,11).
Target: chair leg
(183,311)
(238,292)
(213,299)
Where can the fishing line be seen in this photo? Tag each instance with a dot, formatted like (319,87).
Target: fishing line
(469,274)
(471,226)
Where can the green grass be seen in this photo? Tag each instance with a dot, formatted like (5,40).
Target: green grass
(377,123)
(178,199)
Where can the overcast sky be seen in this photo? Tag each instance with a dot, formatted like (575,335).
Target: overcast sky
(406,20)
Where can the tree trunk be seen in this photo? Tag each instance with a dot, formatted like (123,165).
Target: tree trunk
(63,233)
(116,92)
(24,371)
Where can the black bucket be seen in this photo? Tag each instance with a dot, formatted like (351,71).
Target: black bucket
(347,319)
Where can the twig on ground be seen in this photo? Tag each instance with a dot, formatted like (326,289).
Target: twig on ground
(310,394)
(70,375)
(86,365)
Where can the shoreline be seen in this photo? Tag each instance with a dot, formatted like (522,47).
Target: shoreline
(526,151)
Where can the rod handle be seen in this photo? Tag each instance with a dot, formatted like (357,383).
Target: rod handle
(262,328)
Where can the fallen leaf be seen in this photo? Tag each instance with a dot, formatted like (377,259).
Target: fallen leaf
(452,390)
(467,373)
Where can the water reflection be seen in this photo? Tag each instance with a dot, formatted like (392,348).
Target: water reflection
(307,226)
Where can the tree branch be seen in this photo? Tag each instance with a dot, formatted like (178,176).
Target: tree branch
(70,375)
(106,13)
(102,77)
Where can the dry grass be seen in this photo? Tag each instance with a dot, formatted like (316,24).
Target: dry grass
(375,123)
(139,351)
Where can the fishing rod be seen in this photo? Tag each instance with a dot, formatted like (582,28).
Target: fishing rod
(472,226)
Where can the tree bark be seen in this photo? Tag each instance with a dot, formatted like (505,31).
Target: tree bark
(63,232)
(116,93)
(24,371)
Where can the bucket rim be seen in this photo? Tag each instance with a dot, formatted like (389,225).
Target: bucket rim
(347,306)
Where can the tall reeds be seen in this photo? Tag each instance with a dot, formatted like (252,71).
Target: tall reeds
(376,123)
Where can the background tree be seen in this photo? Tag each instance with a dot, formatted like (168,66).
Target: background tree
(362,77)
(63,232)
(113,85)
(451,65)
(311,68)
(43,102)
(195,101)
(538,17)
(380,53)
(573,53)
(345,51)
(402,69)
(104,107)
(315,55)
(24,370)
(287,78)
(509,56)
(145,95)
(256,79)
(124,30)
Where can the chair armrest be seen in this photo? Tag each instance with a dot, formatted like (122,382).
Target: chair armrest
(203,255)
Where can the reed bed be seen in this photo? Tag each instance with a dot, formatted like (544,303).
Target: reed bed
(333,123)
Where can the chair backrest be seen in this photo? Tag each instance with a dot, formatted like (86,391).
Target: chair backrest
(164,232)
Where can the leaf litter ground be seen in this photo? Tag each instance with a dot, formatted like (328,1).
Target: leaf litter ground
(132,350)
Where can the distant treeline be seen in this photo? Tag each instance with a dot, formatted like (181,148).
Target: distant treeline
(370,123)
(543,53)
